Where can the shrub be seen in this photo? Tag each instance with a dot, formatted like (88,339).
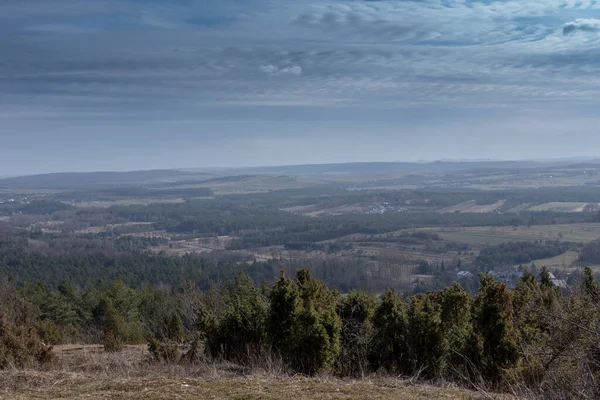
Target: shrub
(164,345)
(241,332)
(356,312)
(316,328)
(494,333)
(389,349)
(20,346)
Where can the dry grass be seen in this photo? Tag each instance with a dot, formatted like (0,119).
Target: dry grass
(30,385)
(86,372)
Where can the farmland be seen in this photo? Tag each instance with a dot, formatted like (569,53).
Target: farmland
(336,220)
(481,235)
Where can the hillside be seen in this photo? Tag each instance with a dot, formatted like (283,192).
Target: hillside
(369,168)
(86,179)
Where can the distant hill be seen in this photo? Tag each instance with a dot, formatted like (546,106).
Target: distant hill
(201,176)
(374,168)
(90,179)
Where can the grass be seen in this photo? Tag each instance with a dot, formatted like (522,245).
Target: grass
(86,372)
(562,261)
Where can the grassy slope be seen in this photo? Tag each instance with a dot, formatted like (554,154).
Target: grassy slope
(87,372)
(48,386)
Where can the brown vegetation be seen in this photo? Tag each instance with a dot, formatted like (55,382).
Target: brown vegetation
(86,372)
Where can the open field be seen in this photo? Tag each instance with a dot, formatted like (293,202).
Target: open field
(481,235)
(472,207)
(560,206)
(126,202)
(562,261)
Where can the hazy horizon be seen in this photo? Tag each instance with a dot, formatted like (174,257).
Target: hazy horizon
(236,169)
(90,85)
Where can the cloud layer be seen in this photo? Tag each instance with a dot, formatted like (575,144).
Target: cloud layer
(159,60)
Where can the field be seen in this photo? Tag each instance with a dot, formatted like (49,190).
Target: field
(472,207)
(126,202)
(563,261)
(560,206)
(482,235)
(86,372)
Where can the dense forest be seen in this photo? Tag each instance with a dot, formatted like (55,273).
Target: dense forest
(512,253)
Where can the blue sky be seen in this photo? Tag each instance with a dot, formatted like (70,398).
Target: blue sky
(135,84)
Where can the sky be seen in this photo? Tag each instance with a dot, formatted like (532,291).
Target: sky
(139,84)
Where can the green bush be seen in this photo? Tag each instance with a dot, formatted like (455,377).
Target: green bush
(390,349)
(241,333)
(494,336)
(356,312)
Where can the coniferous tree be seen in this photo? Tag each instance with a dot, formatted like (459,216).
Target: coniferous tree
(356,312)
(241,331)
(284,305)
(494,333)
(426,343)
(389,350)
(316,329)
(456,306)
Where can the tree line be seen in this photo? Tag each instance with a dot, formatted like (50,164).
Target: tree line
(534,338)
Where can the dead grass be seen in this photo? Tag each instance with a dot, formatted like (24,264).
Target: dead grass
(32,385)
(86,372)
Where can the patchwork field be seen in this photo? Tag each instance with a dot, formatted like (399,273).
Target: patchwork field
(481,235)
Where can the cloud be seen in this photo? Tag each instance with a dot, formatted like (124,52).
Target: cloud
(582,25)
(148,59)
(274,70)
